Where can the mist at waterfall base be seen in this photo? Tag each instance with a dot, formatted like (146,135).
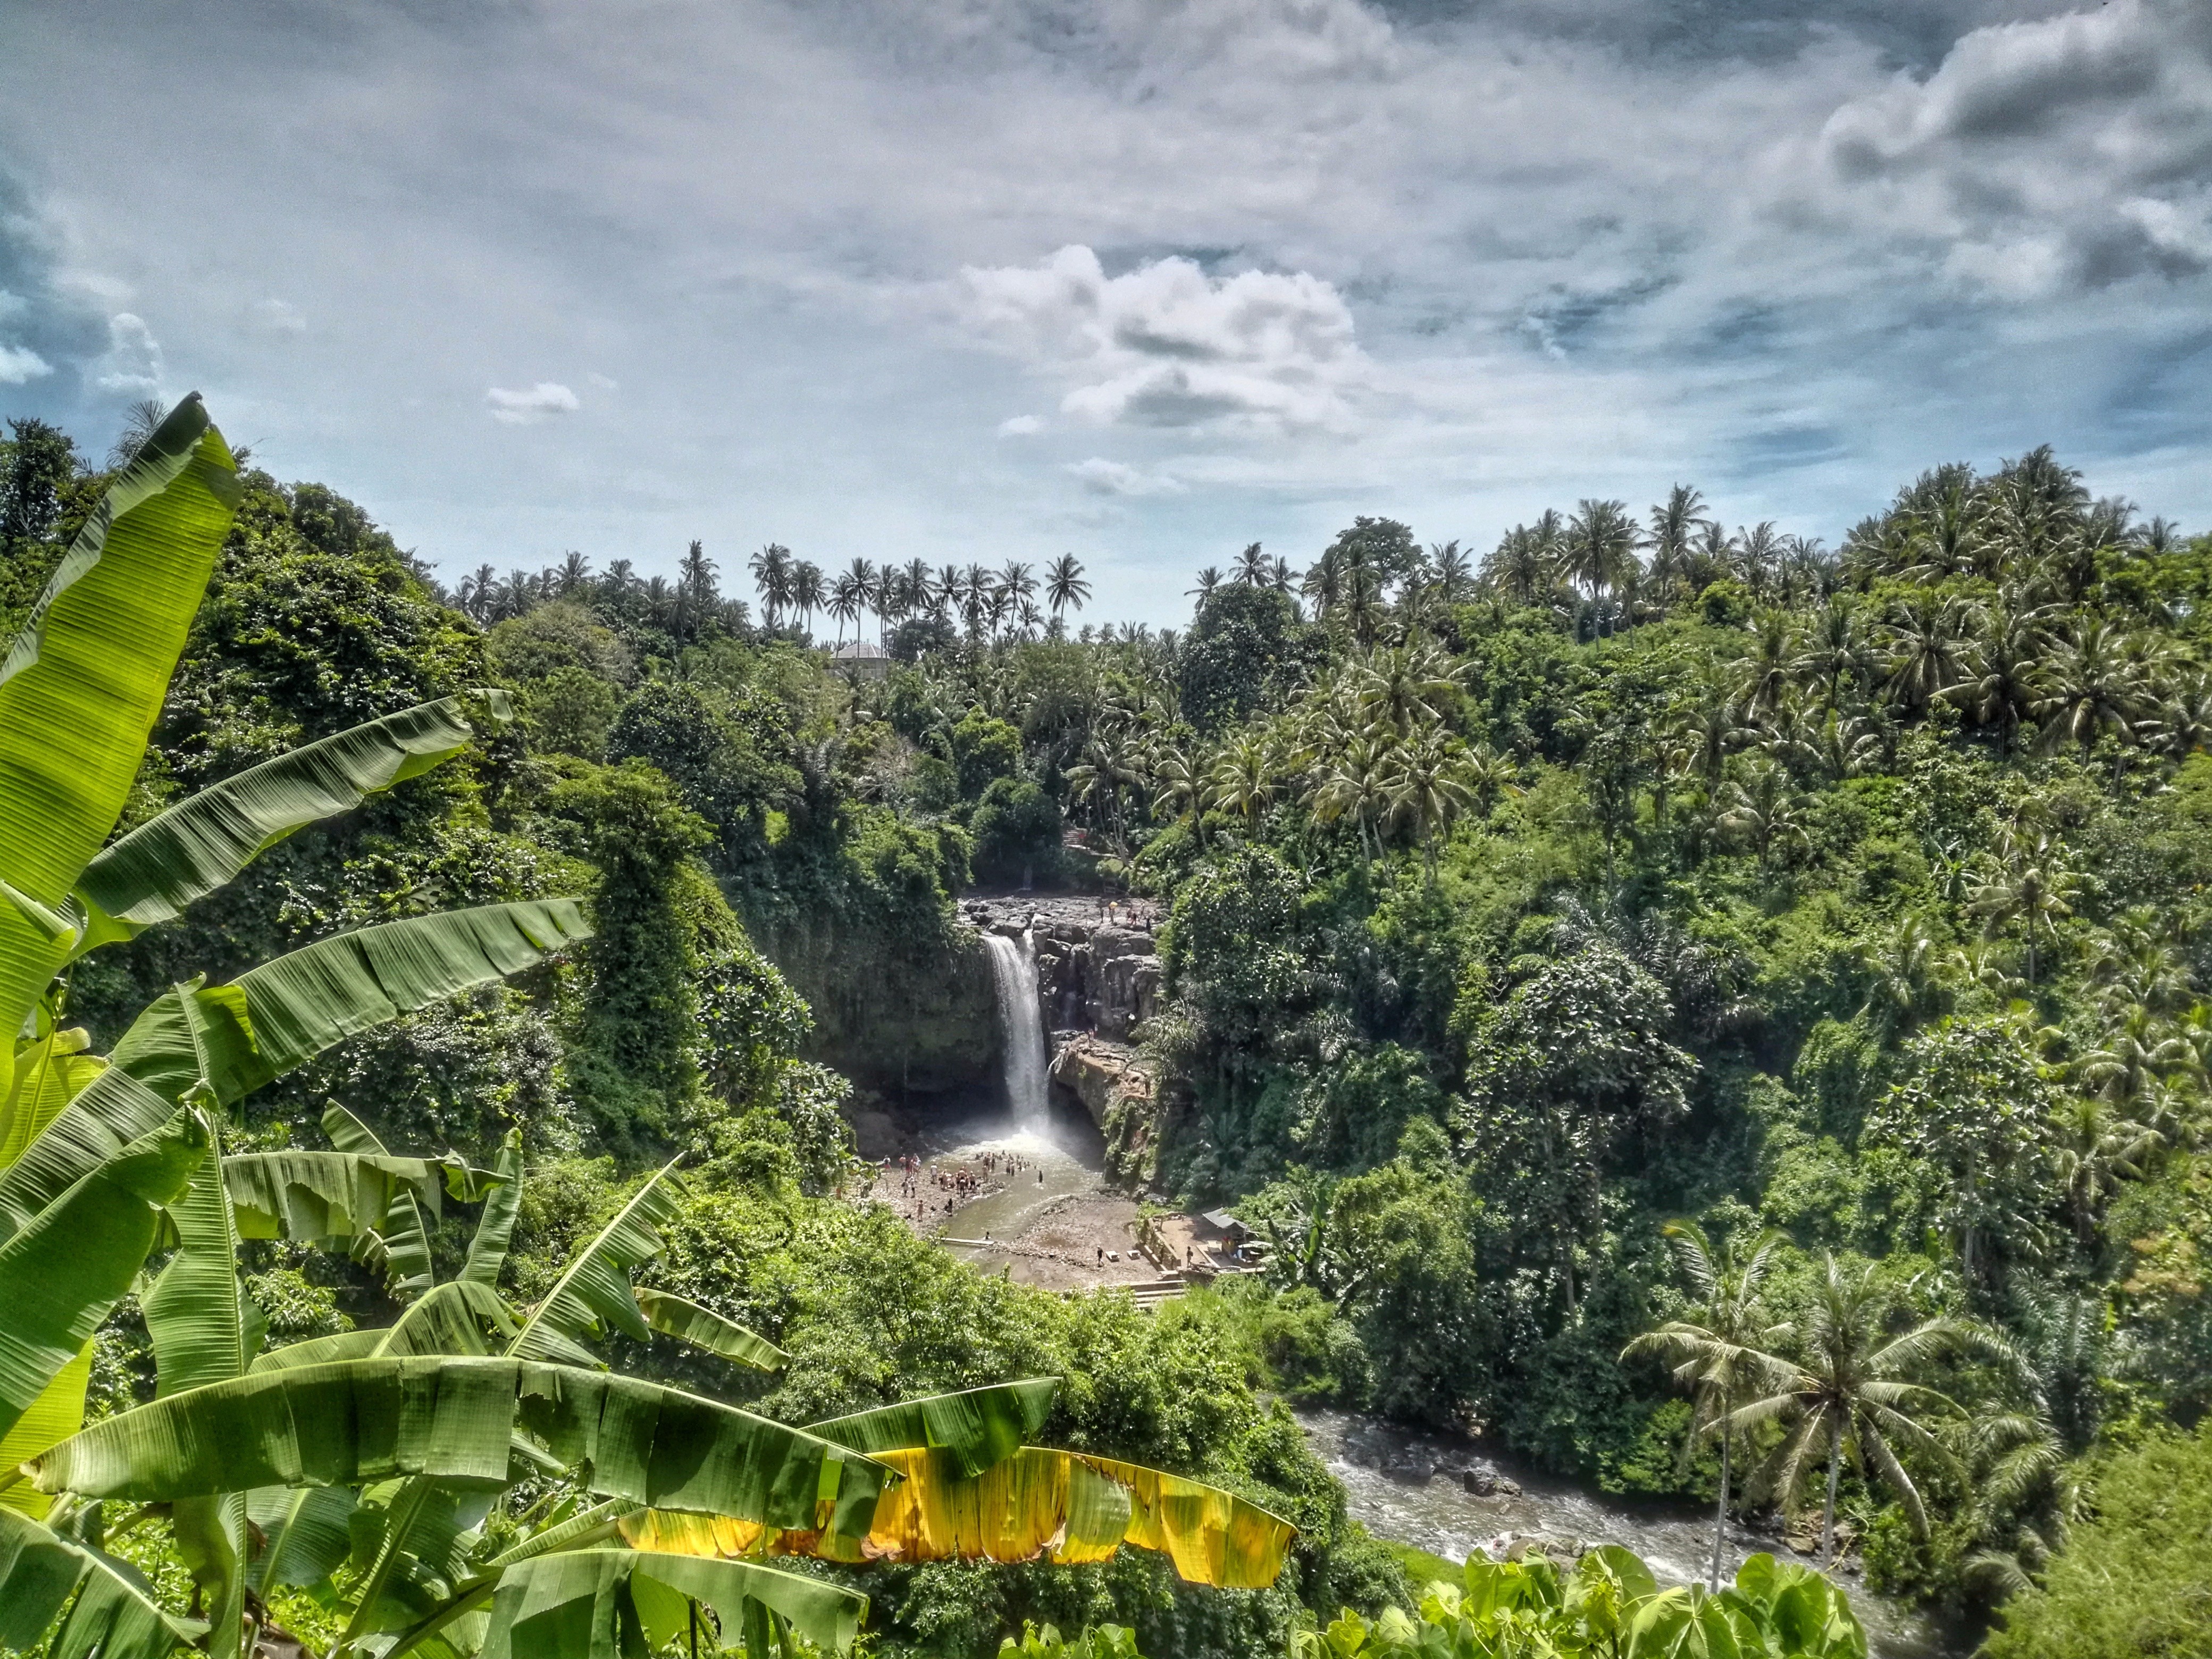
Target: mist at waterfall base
(1021,1028)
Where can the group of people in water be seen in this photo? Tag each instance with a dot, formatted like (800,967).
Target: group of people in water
(960,1182)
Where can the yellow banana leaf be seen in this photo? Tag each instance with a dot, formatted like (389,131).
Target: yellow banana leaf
(53,1417)
(1038,1504)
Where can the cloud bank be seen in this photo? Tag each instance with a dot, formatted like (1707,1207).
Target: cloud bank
(1256,266)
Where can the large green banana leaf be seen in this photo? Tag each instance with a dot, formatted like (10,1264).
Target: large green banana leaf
(495,1226)
(352,1422)
(398,1246)
(84,680)
(63,1271)
(702,1327)
(974,1427)
(334,1197)
(593,1295)
(240,1035)
(1067,1506)
(109,1614)
(149,876)
(51,1072)
(203,1326)
(112,1110)
(56,1414)
(308,1533)
(583,1604)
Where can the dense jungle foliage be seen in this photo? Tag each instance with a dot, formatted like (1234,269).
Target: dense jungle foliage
(1845,910)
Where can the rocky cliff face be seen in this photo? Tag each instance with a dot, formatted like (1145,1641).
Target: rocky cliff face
(1098,981)
(1094,973)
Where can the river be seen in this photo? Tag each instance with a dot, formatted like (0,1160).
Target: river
(1401,1483)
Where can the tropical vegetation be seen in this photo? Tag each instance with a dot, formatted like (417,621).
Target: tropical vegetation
(1720,1016)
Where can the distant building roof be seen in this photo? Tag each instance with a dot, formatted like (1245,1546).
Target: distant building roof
(1223,1220)
(859,651)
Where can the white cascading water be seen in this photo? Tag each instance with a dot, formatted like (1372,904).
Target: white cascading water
(1021,1019)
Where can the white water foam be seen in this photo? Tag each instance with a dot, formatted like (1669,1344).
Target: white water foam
(1021,1026)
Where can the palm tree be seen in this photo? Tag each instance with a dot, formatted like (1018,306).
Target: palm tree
(1064,587)
(2033,887)
(1600,547)
(1242,777)
(1721,1348)
(1849,1394)
(2094,687)
(1425,783)
(1455,573)
(1401,686)
(771,570)
(478,590)
(1208,580)
(2095,1151)
(844,602)
(806,590)
(1925,645)
(574,574)
(1252,568)
(2004,665)
(1673,523)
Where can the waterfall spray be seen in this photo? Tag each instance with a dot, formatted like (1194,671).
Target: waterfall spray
(1021,1024)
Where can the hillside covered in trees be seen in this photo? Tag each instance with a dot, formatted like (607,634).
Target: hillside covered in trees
(1844,911)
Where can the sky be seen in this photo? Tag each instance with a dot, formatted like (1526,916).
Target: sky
(980,280)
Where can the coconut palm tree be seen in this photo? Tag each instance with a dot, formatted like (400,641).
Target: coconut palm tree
(1925,641)
(1208,580)
(2094,687)
(1242,778)
(2032,886)
(1424,781)
(807,591)
(1600,547)
(771,571)
(1064,589)
(1674,521)
(1455,573)
(1849,1394)
(1721,1346)
(574,574)
(1252,569)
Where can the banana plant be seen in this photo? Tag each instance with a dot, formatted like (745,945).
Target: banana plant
(104,1159)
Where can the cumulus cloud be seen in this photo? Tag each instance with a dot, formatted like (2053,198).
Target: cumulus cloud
(542,402)
(19,364)
(1020,426)
(2070,151)
(1103,478)
(133,362)
(1165,344)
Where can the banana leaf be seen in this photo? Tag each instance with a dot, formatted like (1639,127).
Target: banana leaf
(50,1072)
(109,1113)
(240,1035)
(593,1295)
(308,1533)
(1067,1507)
(203,1326)
(85,679)
(702,1327)
(975,1427)
(581,1604)
(352,1422)
(149,876)
(398,1247)
(55,1415)
(316,1196)
(110,1612)
(495,1226)
(61,1272)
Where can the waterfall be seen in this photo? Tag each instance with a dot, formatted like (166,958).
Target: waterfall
(1021,1021)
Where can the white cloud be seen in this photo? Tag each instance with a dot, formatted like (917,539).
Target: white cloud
(605,383)
(538,402)
(133,361)
(1165,344)
(2068,152)
(20,364)
(280,317)
(1020,426)
(1103,478)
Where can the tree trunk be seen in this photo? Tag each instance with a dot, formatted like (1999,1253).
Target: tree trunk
(1828,1512)
(1720,1516)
